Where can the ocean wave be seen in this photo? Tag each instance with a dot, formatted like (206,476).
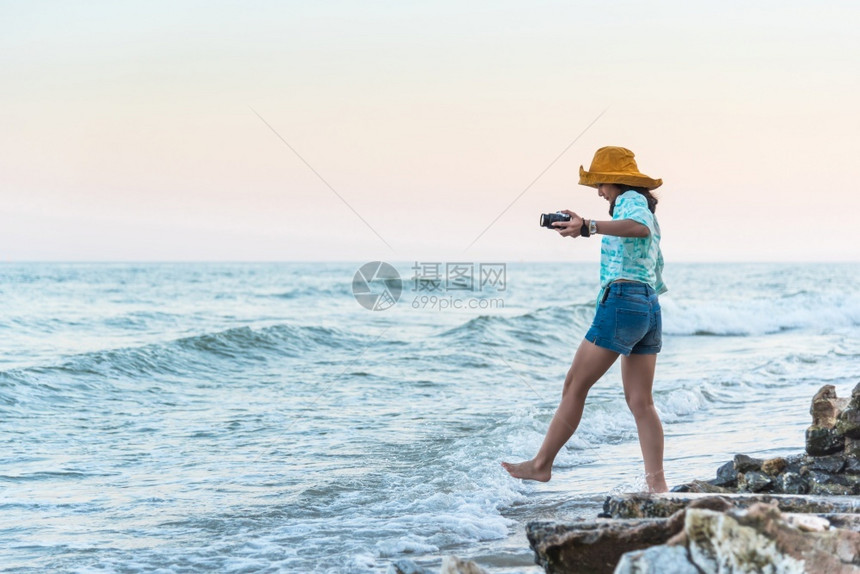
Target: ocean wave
(546,324)
(321,292)
(228,350)
(744,317)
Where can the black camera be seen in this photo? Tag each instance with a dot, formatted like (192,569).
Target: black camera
(547,219)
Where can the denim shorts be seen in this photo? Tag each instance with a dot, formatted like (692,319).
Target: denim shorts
(628,320)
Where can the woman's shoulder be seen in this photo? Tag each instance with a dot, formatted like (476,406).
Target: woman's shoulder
(631,202)
(632,198)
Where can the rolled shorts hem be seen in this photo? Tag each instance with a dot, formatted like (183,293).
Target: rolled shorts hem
(622,350)
(607,344)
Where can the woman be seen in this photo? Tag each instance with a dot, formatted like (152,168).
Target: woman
(627,321)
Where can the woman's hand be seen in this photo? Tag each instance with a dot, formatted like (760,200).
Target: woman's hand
(569,228)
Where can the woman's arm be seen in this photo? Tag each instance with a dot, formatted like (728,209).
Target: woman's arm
(617,227)
(621,228)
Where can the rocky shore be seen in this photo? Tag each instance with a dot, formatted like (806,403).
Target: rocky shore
(793,514)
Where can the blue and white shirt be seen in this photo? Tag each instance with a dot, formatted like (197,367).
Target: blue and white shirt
(632,258)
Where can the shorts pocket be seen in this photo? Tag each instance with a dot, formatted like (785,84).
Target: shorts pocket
(630,326)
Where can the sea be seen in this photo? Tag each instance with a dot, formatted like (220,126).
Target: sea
(341,417)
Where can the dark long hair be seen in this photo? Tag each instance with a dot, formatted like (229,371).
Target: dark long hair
(643,191)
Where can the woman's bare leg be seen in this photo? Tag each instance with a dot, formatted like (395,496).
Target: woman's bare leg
(589,364)
(637,372)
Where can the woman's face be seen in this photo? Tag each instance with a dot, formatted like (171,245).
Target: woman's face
(608,191)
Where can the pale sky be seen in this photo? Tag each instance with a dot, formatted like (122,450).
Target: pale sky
(128,129)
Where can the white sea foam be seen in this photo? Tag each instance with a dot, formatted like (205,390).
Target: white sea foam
(678,403)
(759,316)
(407,544)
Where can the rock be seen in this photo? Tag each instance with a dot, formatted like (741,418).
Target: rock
(753,481)
(797,513)
(830,464)
(700,486)
(791,483)
(846,521)
(744,463)
(825,407)
(453,565)
(594,546)
(848,423)
(759,539)
(405,566)
(855,397)
(643,505)
(852,481)
(829,489)
(664,505)
(727,475)
(733,533)
(852,463)
(663,559)
(807,522)
(795,461)
(774,466)
(852,453)
(821,441)
(718,542)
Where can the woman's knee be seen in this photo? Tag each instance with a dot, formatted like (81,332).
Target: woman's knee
(575,386)
(640,405)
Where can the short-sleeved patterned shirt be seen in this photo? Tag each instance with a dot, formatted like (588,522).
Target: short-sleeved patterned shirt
(633,258)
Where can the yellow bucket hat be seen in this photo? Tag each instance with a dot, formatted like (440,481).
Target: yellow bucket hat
(612,164)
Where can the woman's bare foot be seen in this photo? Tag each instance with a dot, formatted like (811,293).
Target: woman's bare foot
(528,470)
(656,482)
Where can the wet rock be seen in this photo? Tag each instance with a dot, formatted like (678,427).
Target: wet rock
(701,486)
(826,407)
(659,559)
(852,464)
(821,477)
(846,521)
(853,481)
(828,488)
(727,533)
(754,481)
(453,565)
(807,522)
(848,423)
(727,475)
(406,567)
(640,505)
(774,466)
(637,505)
(719,542)
(744,463)
(594,546)
(852,452)
(823,438)
(821,441)
(855,397)
(795,461)
(791,483)
(829,464)
(759,539)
